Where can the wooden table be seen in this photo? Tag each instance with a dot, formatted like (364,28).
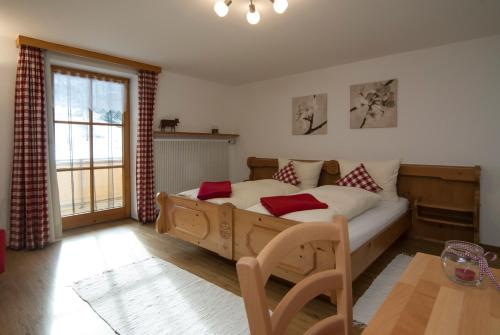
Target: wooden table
(425,301)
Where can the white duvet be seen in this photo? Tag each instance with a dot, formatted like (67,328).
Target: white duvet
(248,193)
(347,201)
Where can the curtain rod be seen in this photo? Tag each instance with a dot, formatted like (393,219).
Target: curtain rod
(64,49)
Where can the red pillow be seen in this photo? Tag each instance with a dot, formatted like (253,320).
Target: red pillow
(360,178)
(210,190)
(287,175)
(284,204)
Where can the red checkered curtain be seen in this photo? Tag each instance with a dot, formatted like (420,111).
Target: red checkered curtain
(145,178)
(29,224)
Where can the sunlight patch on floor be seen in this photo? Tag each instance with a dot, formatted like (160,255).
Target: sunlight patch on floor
(69,310)
(87,255)
(81,257)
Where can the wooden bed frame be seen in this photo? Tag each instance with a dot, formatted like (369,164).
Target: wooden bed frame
(234,233)
(209,225)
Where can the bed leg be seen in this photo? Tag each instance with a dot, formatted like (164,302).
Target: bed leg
(161,221)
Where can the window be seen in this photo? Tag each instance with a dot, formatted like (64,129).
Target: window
(91,146)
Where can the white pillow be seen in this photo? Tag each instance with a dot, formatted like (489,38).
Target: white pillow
(308,172)
(385,174)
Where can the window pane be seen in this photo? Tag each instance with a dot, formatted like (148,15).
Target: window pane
(72,146)
(71,98)
(74,192)
(108,188)
(108,101)
(108,146)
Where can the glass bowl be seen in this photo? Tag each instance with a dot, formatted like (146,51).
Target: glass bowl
(460,262)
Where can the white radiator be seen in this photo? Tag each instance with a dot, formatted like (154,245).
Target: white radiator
(182,165)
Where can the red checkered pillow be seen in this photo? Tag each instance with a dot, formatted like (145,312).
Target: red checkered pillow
(287,175)
(359,178)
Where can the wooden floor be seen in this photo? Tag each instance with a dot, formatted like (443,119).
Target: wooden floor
(36,295)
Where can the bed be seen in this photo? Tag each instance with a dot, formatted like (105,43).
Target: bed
(370,234)
(236,232)
(364,222)
(209,224)
(373,227)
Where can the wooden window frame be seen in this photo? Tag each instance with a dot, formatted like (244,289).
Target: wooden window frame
(94,217)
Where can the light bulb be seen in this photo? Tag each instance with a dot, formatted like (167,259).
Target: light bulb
(280,6)
(221,7)
(253,16)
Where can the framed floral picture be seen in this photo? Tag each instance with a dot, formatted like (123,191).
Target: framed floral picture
(374,105)
(309,115)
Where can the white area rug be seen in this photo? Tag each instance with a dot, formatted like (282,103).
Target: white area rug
(374,296)
(155,297)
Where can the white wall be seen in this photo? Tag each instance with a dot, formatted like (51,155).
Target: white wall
(199,104)
(448,113)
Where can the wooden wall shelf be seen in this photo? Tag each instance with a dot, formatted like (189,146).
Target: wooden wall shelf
(448,222)
(446,207)
(191,135)
(442,215)
(445,201)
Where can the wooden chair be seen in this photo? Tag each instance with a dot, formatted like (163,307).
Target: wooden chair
(253,273)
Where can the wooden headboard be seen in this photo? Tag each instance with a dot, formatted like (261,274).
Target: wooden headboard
(444,200)
(264,168)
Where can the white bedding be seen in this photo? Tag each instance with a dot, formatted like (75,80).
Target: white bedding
(361,227)
(248,193)
(341,200)
(365,226)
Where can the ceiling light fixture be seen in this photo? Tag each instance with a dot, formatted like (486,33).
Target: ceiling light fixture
(280,6)
(253,16)
(221,8)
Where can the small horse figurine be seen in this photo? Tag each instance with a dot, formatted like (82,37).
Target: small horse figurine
(170,124)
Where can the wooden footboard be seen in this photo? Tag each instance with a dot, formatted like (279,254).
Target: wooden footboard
(199,222)
(235,233)
(252,231)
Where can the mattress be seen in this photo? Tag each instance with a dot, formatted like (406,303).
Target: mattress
(248,193)
(365,226)
(362,228)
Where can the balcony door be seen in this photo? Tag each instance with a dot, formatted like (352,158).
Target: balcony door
(91,124)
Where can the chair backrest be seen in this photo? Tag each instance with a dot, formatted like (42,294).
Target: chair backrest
(253,273)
